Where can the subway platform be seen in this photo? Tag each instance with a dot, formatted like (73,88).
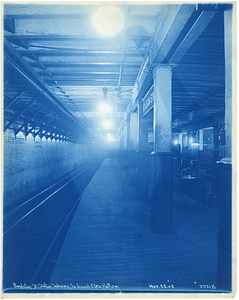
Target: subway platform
(110,243)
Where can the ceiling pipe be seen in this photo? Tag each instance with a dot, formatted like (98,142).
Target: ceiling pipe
(121,65)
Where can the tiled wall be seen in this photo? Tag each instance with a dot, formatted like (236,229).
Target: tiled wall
(30,164)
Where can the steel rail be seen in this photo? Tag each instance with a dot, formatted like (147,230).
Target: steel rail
(54,239)
(42,192)
(38,205)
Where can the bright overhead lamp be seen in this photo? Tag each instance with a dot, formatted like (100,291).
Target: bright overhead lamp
(104,108)
(107,124)
(109,20)
(109,137)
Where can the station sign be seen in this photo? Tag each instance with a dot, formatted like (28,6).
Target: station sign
(148,101)
(150,137)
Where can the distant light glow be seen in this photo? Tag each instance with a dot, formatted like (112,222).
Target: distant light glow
(107,124)
(104,108)
(109,137)
(175,142)
(109,20)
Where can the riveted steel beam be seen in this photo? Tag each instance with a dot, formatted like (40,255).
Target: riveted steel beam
(52,127)
(178,29)
(204,19)
(29,119)
(9,25)
(14,99)
(18,115)
(173,22)
(45,125)
(19,65)
(39,122)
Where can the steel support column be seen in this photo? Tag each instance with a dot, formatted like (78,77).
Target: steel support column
(142,155)
(225,169)
(161,158)
(133,138)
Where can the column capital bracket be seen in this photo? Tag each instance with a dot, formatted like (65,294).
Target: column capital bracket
(155,66)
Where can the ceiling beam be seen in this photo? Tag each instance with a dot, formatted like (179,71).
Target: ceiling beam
(74,38)
(85,67)
(29,119)
(173,19)
(204,19)
(123,54)
(94,59)
(197,77)
(18,115)
(212,59)
(173,22)
(14,99)
(196,83)
(45,125)
(184,34)
(98,82)
(9,25)
(100,54)
(79,76)
(20,66)
(195,68)
(85,74)
(39,122)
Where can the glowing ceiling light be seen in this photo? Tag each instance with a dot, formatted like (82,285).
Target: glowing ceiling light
(107,124)
(104,108)
(109,20)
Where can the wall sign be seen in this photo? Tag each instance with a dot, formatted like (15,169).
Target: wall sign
(148,101)
(150,137)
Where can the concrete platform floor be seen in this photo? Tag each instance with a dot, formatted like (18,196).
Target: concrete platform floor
(110,241)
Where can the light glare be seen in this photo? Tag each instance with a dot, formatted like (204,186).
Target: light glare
(109,20)
(104,108)
(107,124)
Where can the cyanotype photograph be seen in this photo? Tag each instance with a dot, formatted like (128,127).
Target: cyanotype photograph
(119,148)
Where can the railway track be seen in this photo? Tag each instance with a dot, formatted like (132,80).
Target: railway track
(34,229)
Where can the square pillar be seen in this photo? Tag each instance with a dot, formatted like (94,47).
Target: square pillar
(128,133)
(142,155)
(228,79)
(224,258)
(225,166)
(161,158)
(133,138)
(133,130)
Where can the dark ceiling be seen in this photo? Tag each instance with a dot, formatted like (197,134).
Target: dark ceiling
(58,68)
